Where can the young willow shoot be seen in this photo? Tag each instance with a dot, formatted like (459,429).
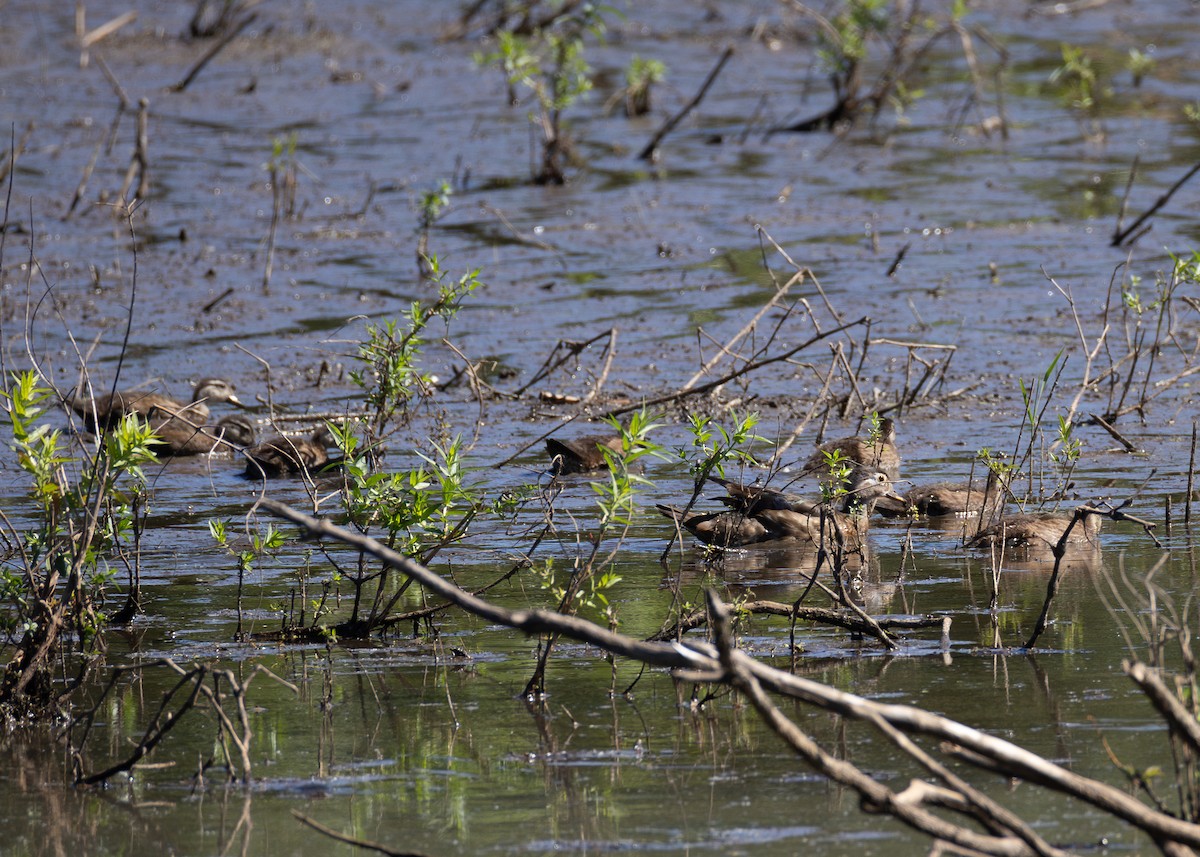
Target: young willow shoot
(549,63)
(87,510)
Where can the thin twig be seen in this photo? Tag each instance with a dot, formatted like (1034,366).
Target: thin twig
(1120,235)
(219,46)
(652,147)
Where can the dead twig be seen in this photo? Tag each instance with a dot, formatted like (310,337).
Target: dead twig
(1120,235)
(350,840)
(737,373)
(651,148)
(139,163)
(217,47)
(700,661)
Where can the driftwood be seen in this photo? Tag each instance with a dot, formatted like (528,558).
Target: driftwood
(701,662)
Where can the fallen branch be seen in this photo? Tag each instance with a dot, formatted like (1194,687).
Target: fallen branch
(699,661)
(699,618)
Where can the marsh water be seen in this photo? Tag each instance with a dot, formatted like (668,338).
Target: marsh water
(421,741)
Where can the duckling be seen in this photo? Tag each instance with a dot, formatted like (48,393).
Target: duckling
(878,454)
(950,499)
(107,410)
(287,456)
(583,453)
(179,437)
(1041,530)
(758,517)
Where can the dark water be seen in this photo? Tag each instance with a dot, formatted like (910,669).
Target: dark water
(417,748)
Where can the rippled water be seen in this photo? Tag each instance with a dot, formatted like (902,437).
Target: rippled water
(420,749)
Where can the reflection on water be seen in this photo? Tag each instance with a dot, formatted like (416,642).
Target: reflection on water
(407,743)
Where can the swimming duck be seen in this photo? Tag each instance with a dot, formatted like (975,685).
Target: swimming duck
(950,499)
(879,454)
(582,454)
(286,456)
(177,436)
(757,516)
(1041,530)
(107,410)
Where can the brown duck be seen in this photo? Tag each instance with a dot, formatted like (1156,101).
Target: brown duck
(759,516)
(287,456)
(107,410)
(1041,530)
(583,454)
(878,455)
(177,436)
(950,499)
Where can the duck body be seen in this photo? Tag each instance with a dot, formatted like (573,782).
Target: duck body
(876,454)
(177,436)
(105,411)
(758,516)
(288,456)
(950,499)
(583,454)
(1040,530)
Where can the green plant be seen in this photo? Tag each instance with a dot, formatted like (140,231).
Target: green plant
(433,203)
(549,62)
(591,575)
(259,544)
(641,75)
(89,512)
(1139,65)
(885,40)
(390,376)
(1076,79)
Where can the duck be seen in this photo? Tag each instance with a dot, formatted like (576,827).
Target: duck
(287,456)
(107,410)
(762,517)
(177,436)
(583,454)
(1039,530)
(877,453)
(950,499)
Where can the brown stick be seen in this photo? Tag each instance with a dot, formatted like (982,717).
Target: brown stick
(701,658)
(727,348)
(219,46)
(875,796)
(838,618)
(1119,235)
(1116,435)
(648,152)
(1179,720)
(1191,477)
(350,840)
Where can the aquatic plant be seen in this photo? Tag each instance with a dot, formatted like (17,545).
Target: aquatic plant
(87,519)
(281,167)
(640,78)
(390,375)
(549,62)
(432,204)
(950,809)
(587,582)
(871,51)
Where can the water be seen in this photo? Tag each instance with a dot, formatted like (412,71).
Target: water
(404,742)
